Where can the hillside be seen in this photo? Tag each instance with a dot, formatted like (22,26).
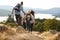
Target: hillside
(54,11)
(14,34)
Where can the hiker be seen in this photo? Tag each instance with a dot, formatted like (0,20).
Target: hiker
(30,20)
(17,9)
(33,19)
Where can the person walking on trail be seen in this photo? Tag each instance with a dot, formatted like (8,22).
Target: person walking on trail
(17,10)
(30,20)
(33,19)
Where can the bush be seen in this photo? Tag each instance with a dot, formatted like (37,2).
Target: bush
(10,19)
(47,24)
(39,25)
(51,24)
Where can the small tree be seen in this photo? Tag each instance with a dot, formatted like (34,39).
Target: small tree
(10,19)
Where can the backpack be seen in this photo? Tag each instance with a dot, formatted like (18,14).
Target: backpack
(17,7)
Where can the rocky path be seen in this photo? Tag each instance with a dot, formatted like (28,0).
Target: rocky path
(21,34)
(24,36)
(12,35)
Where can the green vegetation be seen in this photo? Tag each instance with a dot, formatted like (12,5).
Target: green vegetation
(39,26)
(10,21)
(46,24)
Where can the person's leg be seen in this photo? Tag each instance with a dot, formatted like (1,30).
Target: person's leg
(19,17)
(16,16)
(27,26)
(31,27)
(24,25)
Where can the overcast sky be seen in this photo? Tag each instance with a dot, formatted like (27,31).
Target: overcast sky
(43,4)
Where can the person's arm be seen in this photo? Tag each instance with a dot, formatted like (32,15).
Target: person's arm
(23,10)
(33,18)
(13,11)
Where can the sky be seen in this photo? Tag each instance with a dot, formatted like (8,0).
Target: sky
(43,4)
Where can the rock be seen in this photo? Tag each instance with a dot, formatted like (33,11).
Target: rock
(58,38)
(20,29)
(53,31)
(3,28)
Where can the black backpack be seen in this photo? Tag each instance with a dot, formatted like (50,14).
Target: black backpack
(18,6)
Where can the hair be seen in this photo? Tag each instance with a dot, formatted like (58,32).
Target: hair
(22,2)
(32,12)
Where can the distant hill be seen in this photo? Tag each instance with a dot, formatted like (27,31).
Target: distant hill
(54,11)
(6,9)
(4,12)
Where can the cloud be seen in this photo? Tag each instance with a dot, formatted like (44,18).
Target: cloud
(43,4)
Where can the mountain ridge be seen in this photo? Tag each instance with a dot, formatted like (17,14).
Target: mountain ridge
(4,12)
(53,11)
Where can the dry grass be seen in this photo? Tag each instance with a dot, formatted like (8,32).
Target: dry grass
(49,36)
(11,33)
(19,34)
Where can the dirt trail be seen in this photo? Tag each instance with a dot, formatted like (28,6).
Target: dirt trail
(24,36)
